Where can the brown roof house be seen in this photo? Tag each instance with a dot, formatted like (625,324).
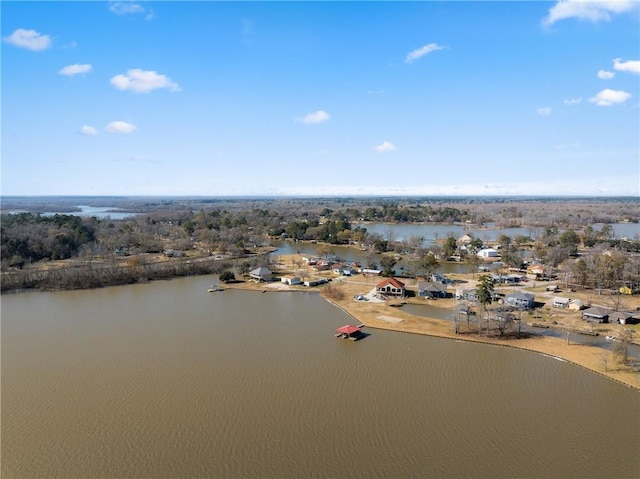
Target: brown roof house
(391,287)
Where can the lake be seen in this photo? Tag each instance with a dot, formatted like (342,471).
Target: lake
(432,232)
(166,380)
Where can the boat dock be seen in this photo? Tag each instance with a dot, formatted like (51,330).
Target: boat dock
(348,331)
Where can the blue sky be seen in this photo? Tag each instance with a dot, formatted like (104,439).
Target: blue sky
(321,98)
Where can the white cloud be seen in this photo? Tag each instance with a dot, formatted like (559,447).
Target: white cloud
(120,127)
(76,69)
(29,39)
(88,130)
(609,97)
(573,101)
(384,147)
(319,116)
(544,111)
(143,81)
(631,66)
(420,52)
(592,10)
(130,8)
(605,75)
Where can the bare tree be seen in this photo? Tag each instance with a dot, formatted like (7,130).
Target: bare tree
(621,347)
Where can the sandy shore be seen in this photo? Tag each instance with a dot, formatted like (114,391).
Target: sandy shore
(381,315)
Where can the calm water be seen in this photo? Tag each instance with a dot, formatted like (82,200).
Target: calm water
(433,232)
(100,212)
(166,380)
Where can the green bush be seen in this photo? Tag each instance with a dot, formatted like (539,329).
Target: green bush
(227,276)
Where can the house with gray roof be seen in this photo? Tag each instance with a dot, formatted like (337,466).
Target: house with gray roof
(520,300)
(261,274)
(620,317)
(596,314)
(427,289)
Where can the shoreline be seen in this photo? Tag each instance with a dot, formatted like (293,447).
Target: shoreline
(384,317)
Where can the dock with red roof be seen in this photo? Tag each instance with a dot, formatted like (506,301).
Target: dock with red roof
(350,332)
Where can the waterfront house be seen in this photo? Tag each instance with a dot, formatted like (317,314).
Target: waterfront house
(508,279)
(323,265)
(576,305)
(469,294)
(487,253)
(432,290)
(620,317)
(520,300)
(535,271)
(349,271)
(315,282)
(371,272)
(559,302)
(344,270)
(291,280)
(440,278)
(391,287)
(261,274)
(464,240)
(596,314)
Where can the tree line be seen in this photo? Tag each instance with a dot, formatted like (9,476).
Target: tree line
(233,227)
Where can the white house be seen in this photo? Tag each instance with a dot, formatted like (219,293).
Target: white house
(487,253)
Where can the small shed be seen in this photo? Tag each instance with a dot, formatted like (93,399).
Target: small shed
(291,280)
